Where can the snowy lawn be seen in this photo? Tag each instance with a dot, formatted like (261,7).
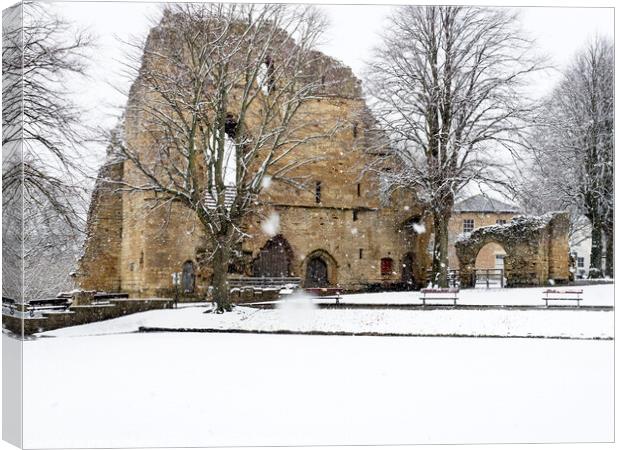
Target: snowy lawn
(197,389)
(510,323)
(299,315)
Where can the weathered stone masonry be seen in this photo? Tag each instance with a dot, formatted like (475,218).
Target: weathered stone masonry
(99,265)
(536,249)
(336,231)
(350,234)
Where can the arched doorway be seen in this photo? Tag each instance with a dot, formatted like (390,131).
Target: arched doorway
(274,259)
(188,278)
(316,272)
(491,256)
(407,276)
(489,266)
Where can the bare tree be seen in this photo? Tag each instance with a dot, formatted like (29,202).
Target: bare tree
(446,86)
(42,133)
(573,155)
(223,92)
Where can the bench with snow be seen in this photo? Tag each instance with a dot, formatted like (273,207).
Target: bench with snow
(432,294)
(31,307)
(326,292)
(49,305)
(563,295)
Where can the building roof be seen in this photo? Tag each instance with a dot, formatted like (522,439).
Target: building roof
(482,203)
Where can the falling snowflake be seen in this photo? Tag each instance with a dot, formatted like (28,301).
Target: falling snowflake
(419,228)
(266,182)
(271,226)
(353,231)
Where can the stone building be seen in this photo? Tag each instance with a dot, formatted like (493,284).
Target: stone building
(475,212)
(336,231)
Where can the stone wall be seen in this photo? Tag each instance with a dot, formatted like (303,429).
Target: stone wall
(536,249)
(81,314)
(98,267)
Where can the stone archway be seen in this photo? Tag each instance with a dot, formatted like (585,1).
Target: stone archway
(536,250)
(491,256)
(274,259)
(320,269)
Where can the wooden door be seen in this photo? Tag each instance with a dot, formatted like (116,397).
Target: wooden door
(407,270)
(316,273)
(274,259)
(188,277)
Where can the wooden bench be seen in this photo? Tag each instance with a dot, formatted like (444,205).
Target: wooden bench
(439,294)
(48,304)
(326,292)
(32,306)
(564,295)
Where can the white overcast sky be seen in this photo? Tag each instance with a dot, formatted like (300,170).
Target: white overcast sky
(558,31)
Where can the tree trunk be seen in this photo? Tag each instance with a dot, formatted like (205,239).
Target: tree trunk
(596,252)
(221,293)
(609,252)
(440,250)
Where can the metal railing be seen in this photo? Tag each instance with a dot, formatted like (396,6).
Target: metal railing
(488,277)
(453,277)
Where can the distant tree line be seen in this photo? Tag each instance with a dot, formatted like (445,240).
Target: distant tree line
(43,189)
(573,150)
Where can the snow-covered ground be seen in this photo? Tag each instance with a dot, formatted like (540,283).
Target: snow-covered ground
(211,389)
(510,323)
(298,315)
(593,295)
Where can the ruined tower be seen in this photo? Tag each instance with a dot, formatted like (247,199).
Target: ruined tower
(335,230)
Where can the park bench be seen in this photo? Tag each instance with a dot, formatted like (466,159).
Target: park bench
(48,305)
(563,295)
(326,292)
(31,307)
(8,306)
(439,294)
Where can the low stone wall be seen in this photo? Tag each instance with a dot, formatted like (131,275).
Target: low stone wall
(251,295)
(81,314)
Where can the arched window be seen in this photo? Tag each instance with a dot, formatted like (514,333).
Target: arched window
(265,77)
(230,162)
(229,166)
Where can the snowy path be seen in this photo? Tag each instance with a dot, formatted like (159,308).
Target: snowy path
(174,389)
